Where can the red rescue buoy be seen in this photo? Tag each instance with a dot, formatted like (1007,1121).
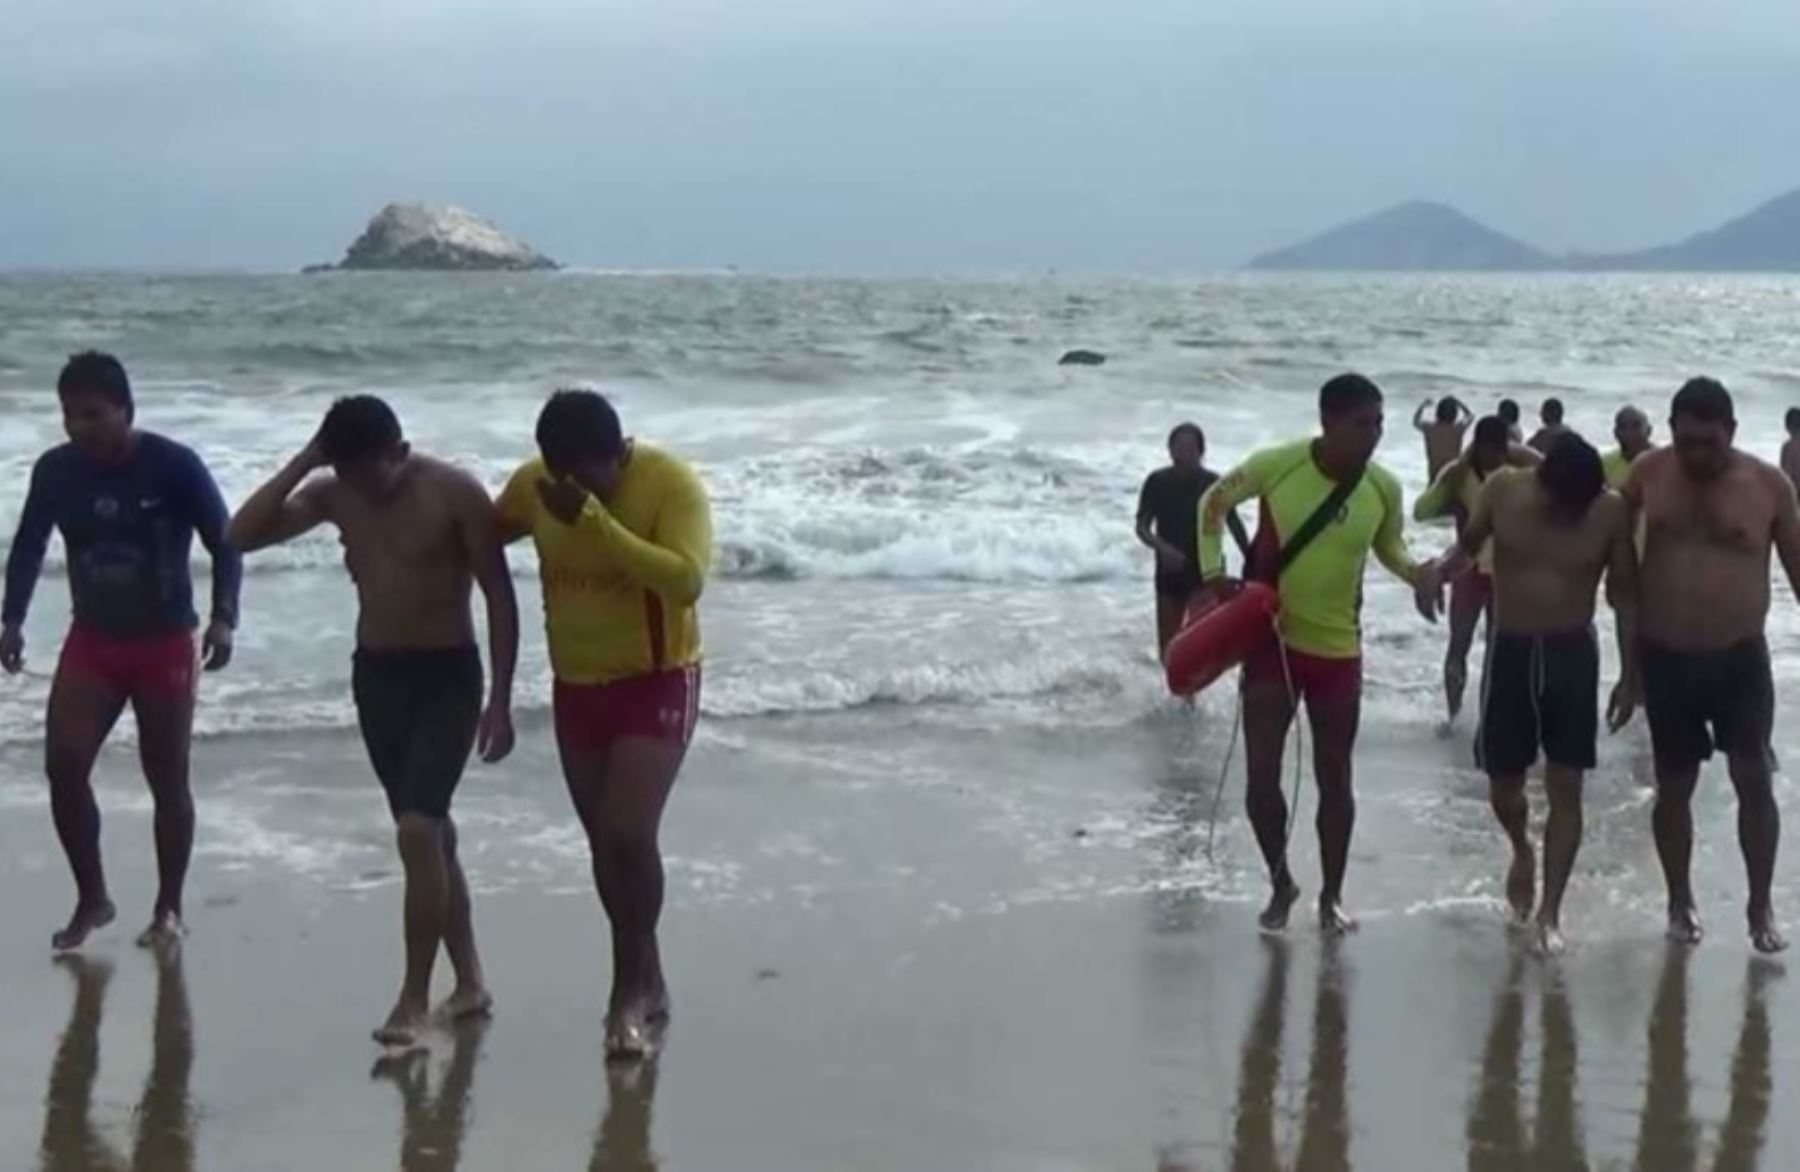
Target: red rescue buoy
(1218,636)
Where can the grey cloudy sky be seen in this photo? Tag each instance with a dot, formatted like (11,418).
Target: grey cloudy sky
(879,135)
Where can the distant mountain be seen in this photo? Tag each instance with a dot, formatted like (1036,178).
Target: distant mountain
(1410,237)
(1765,240)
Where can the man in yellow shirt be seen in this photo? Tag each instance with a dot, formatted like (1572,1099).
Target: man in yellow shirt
(1631,427)
(624,539)
(1318,655)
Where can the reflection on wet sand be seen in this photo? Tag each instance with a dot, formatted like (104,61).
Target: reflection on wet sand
(163,1138)
(1325,1125)
(434,1126)
(622,1143)
(1668,1137)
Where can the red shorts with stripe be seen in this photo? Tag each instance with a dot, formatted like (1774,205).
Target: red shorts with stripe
(1314,678)
(155,665)
(661,706)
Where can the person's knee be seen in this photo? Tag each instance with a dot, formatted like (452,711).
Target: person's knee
(419,836)
(1563,787)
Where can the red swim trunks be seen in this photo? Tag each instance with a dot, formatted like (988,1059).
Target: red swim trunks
(1315,678)
(661,706)
(152,665)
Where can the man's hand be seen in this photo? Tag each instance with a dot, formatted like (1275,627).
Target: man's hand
(1428,590)
(1170,561)
(312,456)
(563,499)
(12,650)
(215,646)
(1626,696)
(494,736)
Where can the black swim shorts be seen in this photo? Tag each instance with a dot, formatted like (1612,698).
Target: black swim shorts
(419,710)
(1698,701)
(1541,690)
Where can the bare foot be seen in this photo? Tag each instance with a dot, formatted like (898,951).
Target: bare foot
(165,931)
(1765,937)
(464,1004)
(1274,918)
(1684,925)
(630,1036)
(1334,920)
(1548,941)
(656,1006)
(88,918)
(403,1026)
(1521,885)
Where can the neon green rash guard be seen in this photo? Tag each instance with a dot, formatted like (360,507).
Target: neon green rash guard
(1458,483)
(1321,592)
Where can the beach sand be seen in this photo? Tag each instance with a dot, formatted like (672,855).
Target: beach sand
(1023,963)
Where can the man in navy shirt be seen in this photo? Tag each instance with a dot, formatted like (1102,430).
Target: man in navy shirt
(127,504)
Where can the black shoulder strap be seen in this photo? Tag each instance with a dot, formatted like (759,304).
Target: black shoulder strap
(1315,524)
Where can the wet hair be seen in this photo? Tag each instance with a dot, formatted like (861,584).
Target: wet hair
(1704,400)
(1793,419)
(1192,429)
(1492,432)
(1509,411)
(1552,412)
(576,426)
(1448,408)
(99,374)
(359,428)
(1346,393)
(1572,473)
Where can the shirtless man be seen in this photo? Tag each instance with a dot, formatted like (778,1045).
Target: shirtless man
(1168,519)
(1554,531)
(128,504)
(1509,411)
(415,531)
(1444,433)
(1553,429)
(623,532)
(1631,428)
(1456,491)
(1790,449)
(1317,656)
(1712,515)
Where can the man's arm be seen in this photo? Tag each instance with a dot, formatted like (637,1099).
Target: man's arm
(673,565)
(512,508)
(281,509)
(1787,529)
(1425,578)
(1239,534)
(23,564)
(1419,415)
(478,528)
(1233,489)
(208,515)
(1622,594)
(1444,492)
(1145,534)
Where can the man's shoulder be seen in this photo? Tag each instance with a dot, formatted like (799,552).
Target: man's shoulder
(160,448)
(441,472)
(663,467)
(1385,481)
(57,461)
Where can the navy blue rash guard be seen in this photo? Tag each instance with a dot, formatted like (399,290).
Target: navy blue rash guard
(128,529)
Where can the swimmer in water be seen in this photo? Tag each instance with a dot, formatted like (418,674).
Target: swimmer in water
(417,534)
(1553,531)
(1455,492)
(1713,515)
(1353,506)
(1553,429)
(1168,521)
(128,504)
(1443,433)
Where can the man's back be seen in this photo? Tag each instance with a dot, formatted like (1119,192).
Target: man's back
(1790,459)
(1443,444)
(409,556)
(1706,549)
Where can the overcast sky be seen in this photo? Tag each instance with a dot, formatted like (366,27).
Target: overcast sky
(879,135)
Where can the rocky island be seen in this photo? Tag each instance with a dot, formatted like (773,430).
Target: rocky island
(424,237)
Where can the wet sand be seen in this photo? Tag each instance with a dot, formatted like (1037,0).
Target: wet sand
(1025,966)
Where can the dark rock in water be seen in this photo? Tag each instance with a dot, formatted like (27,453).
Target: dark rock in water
(1082,358)
(421,237)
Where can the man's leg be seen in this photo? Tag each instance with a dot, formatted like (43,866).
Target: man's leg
(1562,840)
(1268,712)
(165,723)
(470,997)
(1335,719)
(1759,836)
(1467,601)
(1170,609)
(1673,822)
(83,710)
(1512,807)
(426,908)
